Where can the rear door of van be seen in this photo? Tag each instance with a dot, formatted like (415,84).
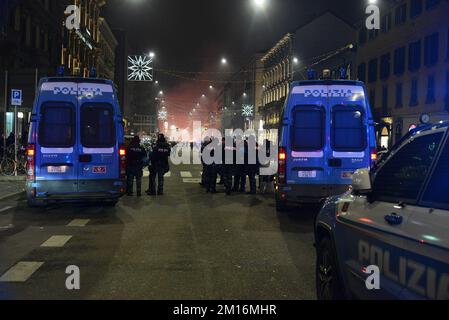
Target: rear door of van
(307,136)
(349,133)
(98,163)
(56,152)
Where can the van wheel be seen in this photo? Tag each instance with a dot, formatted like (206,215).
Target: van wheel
(328,282)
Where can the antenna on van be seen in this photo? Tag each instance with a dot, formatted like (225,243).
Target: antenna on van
(60,71)
(311,74)
(93,72)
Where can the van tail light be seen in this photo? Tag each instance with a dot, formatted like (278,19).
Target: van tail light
(122,159)
(373,156)
(282,158)
(31,162)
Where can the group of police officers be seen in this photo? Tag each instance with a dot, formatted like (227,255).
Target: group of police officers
(156,159)
(239,159)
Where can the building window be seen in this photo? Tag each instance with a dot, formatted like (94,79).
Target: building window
(430,99)
(414,93)
(431,44)
(361,72)
(399,95)
(399,61)
(362,36)
(415,8)
(386,23)
(372,98)
(430,4)
(414,56)
(372,71)
(400,14)
(385,101)
(385,66)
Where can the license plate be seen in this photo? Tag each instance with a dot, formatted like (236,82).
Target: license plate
(347,175)
(59,169)
(99,170)
(307,174)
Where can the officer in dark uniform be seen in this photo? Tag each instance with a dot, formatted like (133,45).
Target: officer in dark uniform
(135,155)
(212,169)
(204,144)
(159,165)
(227,167)
(251,162)
(239,166)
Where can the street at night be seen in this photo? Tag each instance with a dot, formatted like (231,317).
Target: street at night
(224,158)
(181,246)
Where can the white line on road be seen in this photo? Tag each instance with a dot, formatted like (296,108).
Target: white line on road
(21,272)
(186,174)
(193,180)
(168,174)
(56,241)
(5,209)
(78,223)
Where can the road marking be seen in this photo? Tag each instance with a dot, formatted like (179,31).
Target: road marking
(78,223)
(191,180)
(21,272)
(168,174)
(56,241)
(186,174)
(5,209)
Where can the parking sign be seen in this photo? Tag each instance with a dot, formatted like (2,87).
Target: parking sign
(16,97)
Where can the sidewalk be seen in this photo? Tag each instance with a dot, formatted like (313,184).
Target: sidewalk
(11,186)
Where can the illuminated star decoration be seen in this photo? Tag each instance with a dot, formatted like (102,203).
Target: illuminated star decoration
(162,115)
(140,68)
(247,110)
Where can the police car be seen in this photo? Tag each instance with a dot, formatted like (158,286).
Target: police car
(327,132)
(76,143)
(388,237)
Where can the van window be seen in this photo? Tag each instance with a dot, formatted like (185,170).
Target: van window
(308,128)
(57,125)
(97,126)
(348,129)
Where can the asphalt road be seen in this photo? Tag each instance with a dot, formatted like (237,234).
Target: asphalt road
(183,245)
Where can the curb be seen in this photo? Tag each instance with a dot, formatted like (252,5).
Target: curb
(11,195)
(12,178)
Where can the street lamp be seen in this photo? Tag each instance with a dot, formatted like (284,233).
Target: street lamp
(295,60)
(152,54)
(211,87)
(260,4)
(224,61)
(161,93)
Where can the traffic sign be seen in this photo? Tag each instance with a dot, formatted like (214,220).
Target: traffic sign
(16,97)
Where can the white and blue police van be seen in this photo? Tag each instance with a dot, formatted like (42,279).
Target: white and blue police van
(326,134)
(387,238)
(75,147)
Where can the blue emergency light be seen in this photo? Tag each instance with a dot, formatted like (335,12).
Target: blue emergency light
(93,72)
(311,74)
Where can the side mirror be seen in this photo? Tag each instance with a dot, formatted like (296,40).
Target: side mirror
(361,182)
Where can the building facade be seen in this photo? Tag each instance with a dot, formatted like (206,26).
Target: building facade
(81,48)
(406,66)
(108,45)
(297,52)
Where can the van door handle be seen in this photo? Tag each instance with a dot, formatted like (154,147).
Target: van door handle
(393,219)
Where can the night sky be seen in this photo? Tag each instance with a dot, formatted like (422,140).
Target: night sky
(193,35)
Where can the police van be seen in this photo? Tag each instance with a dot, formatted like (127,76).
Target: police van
(387,238)
(75,146)
(326,133)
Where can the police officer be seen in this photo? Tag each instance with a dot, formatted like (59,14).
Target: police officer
(159,165)
(212,168)
(135,155)
(227,166)
(239,166)
(251,162)
(204,144)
